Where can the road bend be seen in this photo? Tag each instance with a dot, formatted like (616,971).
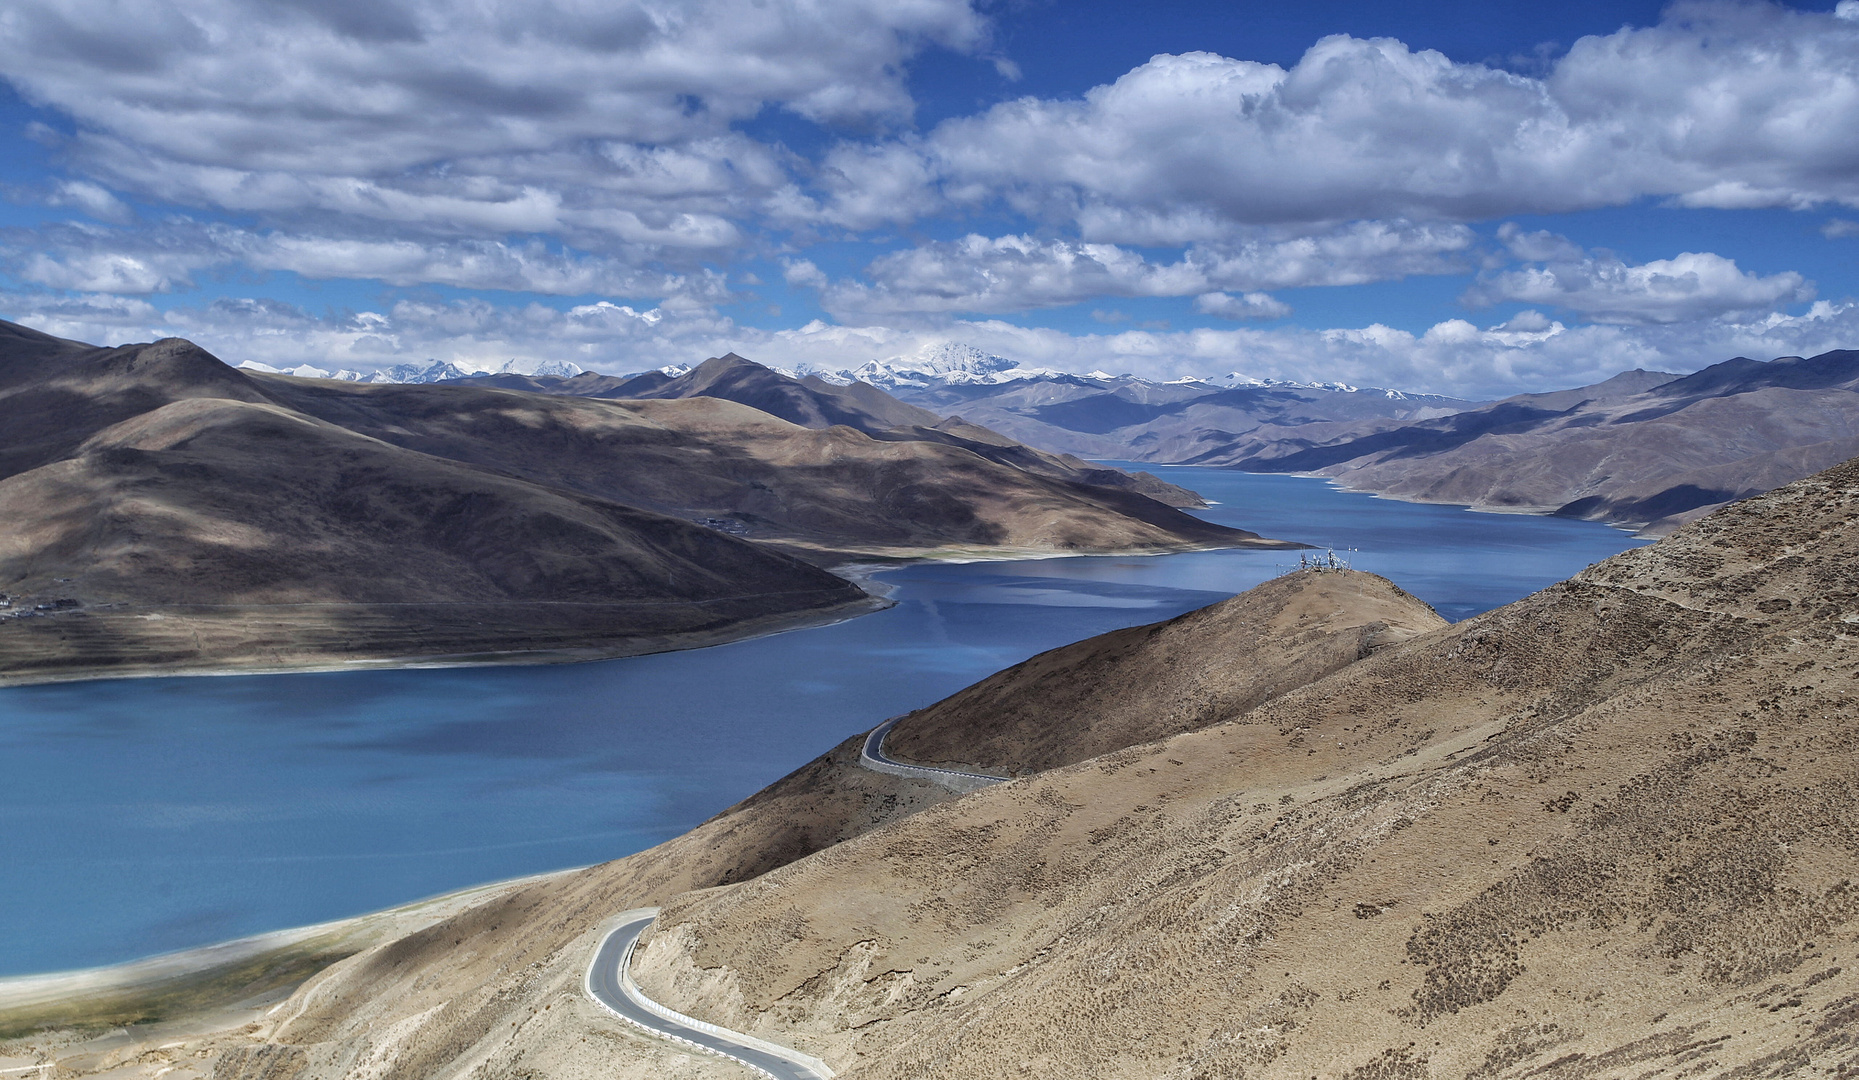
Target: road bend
(610,983)
(872,757)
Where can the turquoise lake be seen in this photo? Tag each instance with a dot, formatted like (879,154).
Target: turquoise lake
(143,816)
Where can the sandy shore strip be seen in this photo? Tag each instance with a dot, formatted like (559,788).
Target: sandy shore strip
(246,972)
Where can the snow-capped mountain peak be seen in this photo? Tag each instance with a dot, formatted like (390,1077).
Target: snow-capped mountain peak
(302,371)
(953,358)
(431,371)
(1235,380)
(545,369)
(945,363)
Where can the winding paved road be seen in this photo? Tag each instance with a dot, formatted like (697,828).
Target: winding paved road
(610,983)
(872,757)
(609,978)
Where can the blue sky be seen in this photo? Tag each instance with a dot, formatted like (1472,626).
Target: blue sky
(1468,198)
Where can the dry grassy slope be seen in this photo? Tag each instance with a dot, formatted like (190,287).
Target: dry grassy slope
(1601,455)
(1148,682)
(1610,830)
(833,489)
(997,447)
(498,987)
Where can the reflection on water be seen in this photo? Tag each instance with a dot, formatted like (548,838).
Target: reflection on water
(140,816)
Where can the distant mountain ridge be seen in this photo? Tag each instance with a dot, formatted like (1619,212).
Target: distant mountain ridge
(1645,450)
(814,402)
(431,371)
(1723,433)
(953,364)
(1130,418)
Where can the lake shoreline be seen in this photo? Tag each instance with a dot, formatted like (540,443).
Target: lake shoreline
(209,980)
(1639,531)
(861,572)
(644,645)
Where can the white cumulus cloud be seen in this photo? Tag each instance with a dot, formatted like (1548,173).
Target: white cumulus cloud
(539,116)
(1016,272)
(363,87)
(1689,286)
(1252,305)
(168,257)
(1720,104)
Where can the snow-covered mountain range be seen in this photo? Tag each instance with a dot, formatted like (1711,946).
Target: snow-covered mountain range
(952,363)
(431,371)
(947,364)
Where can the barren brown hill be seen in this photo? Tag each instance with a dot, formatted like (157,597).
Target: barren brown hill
(160,509)
(1148,682)
(226,532)
(809,402)
(54,393)
(1103,694)
(835,490)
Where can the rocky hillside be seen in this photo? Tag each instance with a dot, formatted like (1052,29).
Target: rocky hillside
(1148,682)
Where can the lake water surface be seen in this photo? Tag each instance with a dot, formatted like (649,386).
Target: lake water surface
(141,816)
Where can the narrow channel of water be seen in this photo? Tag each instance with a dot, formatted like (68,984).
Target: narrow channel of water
(142,816)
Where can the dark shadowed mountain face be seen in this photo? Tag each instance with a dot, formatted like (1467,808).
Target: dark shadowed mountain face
(173,511)
(812,402)
(1621,451)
